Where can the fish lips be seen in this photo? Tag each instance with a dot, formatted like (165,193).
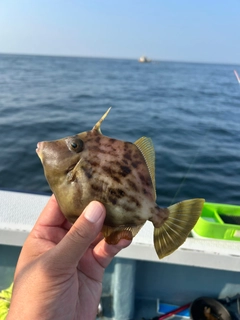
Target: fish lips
(39,150)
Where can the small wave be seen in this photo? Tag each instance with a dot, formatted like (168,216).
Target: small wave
(80,97)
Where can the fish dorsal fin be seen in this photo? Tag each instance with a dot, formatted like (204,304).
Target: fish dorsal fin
(97,126)
(182,217)
(145,145)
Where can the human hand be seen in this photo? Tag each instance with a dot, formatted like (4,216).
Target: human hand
(60,269)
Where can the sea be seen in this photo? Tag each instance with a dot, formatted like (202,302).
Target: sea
(191,111)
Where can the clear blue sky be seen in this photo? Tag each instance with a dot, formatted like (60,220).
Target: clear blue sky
(181,30)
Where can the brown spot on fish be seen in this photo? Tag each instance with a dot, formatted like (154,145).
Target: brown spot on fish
(95,149)
(125,170)
(88,171)
(109,147)
(98,139)
(146,192)
(145,180)
(126,207)
(135,201)
(135,164)
(115,163)
(97,187)
(141,176)
(112,191)
(117,192)
(115,178)
(112,199)
(132,185)
(127,156)
(121,193)
(107,169)
(136,155)
(94,163)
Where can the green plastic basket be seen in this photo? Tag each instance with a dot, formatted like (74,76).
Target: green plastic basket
(219,221)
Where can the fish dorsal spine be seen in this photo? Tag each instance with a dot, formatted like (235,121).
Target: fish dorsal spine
(145,145)
(97,126)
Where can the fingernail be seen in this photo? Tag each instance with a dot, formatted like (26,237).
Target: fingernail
(93,212)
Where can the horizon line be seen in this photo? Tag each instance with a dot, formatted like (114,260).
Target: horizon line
(114,58)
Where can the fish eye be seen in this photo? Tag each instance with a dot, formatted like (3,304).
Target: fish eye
(75,144)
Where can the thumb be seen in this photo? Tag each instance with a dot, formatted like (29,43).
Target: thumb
(82,233)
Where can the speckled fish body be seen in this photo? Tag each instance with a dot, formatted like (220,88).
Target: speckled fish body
(90,166)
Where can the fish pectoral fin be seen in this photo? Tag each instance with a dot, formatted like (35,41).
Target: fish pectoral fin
(145,145)
(174,231)
(114,234)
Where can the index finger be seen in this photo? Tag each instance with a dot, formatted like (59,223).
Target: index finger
(104,252)
(52,215)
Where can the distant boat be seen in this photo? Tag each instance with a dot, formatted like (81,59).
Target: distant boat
(144,59)
(237,76)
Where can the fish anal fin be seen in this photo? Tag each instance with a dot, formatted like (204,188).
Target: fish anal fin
(175,229)
(114,234)
(145,145)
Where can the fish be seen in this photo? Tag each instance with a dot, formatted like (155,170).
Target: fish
(121,175)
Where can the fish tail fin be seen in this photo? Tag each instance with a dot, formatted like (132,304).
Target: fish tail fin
(174,231)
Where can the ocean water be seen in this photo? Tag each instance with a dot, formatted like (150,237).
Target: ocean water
(191,111)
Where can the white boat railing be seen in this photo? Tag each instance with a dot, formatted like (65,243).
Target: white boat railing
(19,211)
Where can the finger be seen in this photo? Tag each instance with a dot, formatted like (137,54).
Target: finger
(82,233)
(97,240)
(51,214)
(104,252)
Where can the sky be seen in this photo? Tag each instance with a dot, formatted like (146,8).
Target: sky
(175,30)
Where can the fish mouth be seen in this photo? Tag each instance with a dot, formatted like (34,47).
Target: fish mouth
(39,149)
